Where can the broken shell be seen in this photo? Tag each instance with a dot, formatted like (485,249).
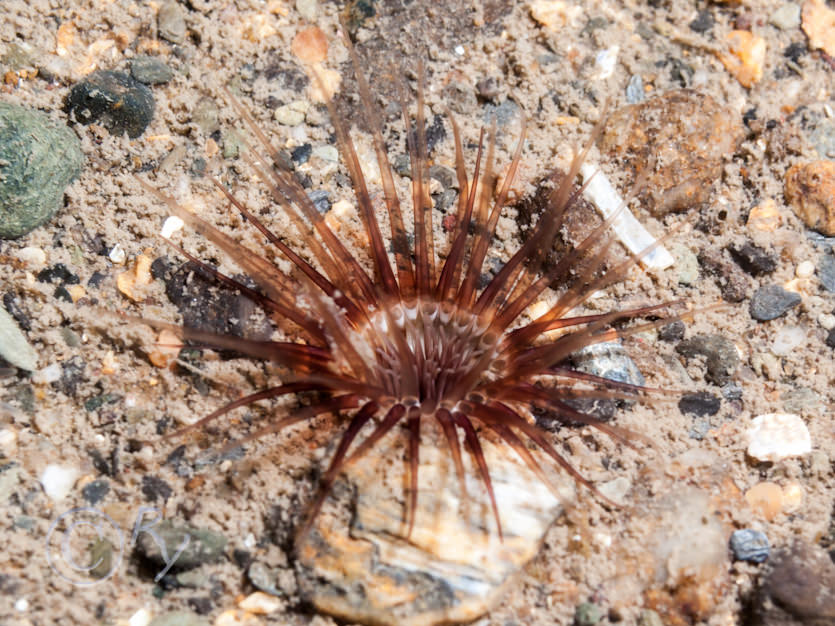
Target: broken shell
(357,562)
(627,228)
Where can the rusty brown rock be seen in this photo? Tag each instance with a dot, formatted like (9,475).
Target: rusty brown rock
(685,136)
(810,190)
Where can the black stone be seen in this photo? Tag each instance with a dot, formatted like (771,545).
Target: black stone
(795,50)
(222,311)
(160,267)
(753,259)
(700,403)
(301,154)
(113,99)
(242,558)
(58,273)
(720,355)
(772,301)
(703,22)
(61,293)
(830,338)
(155,488)
(95,491)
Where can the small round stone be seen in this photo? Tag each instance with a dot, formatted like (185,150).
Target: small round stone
(113,99)
(810,191)
(776,436)
(749,545)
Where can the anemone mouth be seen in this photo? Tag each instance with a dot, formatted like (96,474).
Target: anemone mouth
(419,338)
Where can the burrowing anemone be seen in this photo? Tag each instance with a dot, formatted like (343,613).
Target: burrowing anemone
(408,335)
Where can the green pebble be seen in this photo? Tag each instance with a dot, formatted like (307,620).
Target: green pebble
(39,157)
(179,618)
(586,614)
(649,618)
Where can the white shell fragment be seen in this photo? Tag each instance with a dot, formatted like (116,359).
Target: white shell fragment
(357,562)
(13,345)
(171,225)
(776,436)
(626,227)
(57,481)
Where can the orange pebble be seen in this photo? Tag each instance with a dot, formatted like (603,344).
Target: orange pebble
(310,45)
(766,499)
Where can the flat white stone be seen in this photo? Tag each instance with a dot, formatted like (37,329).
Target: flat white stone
(57,481)
(777,436)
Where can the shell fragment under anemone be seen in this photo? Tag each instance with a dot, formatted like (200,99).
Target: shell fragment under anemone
(416,351)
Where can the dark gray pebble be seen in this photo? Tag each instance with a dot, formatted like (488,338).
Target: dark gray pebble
(830,338)
(114,100)
(826,271)
(39,157)
(204,546)
(155,488)
(95,491)
(753,259)
(703,22)
(700,403)
(672,332)
(749,545)
(720,353)
(771,301)
(150,70)
(301,154)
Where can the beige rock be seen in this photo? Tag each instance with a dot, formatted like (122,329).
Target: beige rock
(310,45)
(776,436)
(810,190)
(819,25)
(453,568)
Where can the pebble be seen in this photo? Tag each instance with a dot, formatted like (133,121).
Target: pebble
(703,22)
(326,153)
(14,347)
(810,191)
(587,614)
(171,22)
(776,436)
(113,99)
(608,360)
(786,17)
(260,603)
(206,115)
(204,545)
(554,14)
(749,545)
(746,56)
(291,114)
(155,488)
(321,200)
(686,263)
(766,499)
(8,441)
(39,158)
(700,404)
(694,132)
(771,301)
(804,269)
(819,25)
(673,331)
(150,70)
(827,272)
(310,45)
(798,588)
(800,399)
(722,358)
(635,89)
(830,339)
(95,491)
(58,480)
(264,578)
(753,259)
